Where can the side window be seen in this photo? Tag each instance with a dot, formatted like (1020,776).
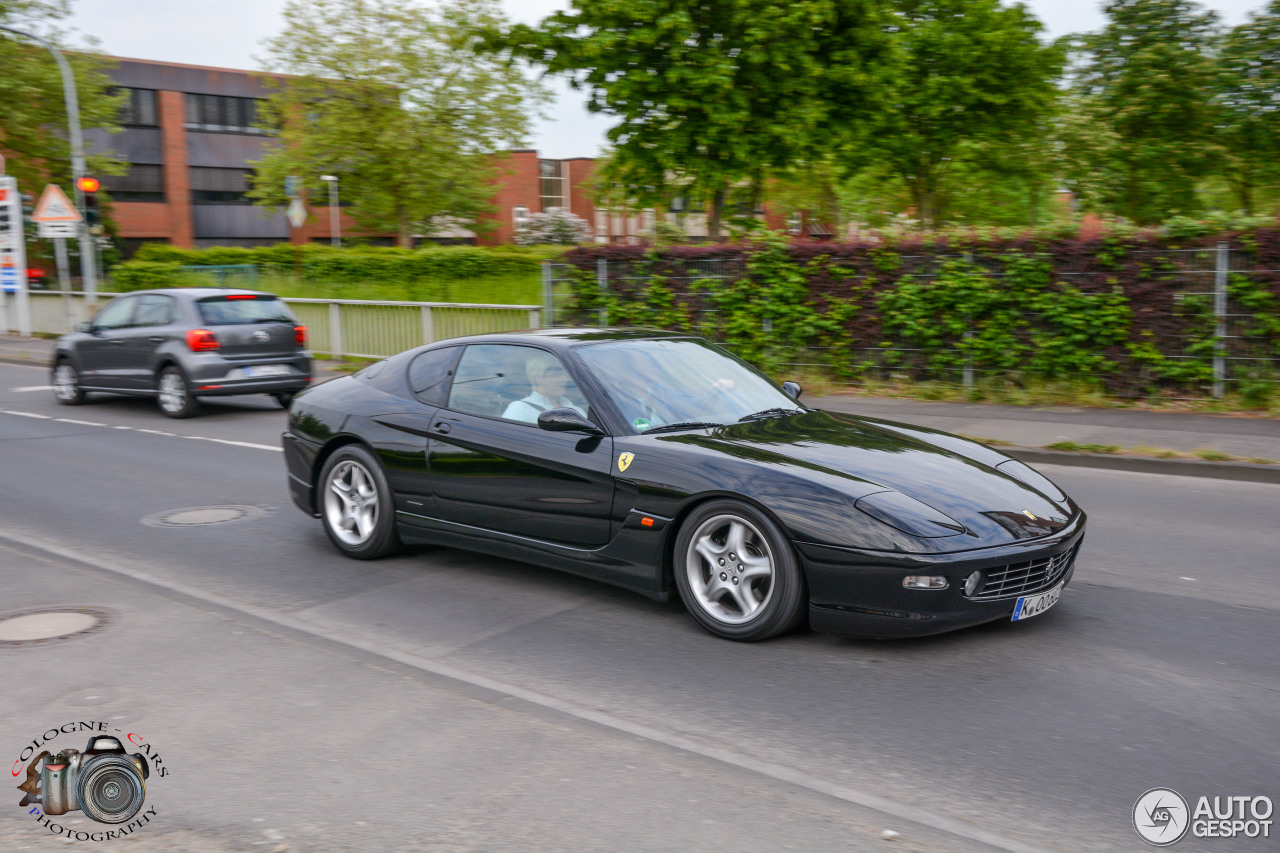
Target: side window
(512,382)
(115,314)
(429,374)
(154,310)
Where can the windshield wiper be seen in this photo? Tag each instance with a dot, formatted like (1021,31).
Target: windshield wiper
(681,425)
(769,413)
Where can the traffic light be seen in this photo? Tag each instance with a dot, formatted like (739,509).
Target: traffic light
(89,186)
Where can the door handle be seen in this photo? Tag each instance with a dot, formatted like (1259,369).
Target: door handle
(443,427)
(156,339)
(116,341)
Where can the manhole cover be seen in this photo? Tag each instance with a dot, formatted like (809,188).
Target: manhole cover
(48,624)
(204,516)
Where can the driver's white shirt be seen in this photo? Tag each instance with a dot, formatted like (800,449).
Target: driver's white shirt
(528,408)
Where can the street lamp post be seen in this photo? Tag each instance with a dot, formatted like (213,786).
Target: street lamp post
(335,233)
(88,267)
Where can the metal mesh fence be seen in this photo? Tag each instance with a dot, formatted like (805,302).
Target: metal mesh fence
(1197,318)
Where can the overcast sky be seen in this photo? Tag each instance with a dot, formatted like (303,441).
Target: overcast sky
(229,34)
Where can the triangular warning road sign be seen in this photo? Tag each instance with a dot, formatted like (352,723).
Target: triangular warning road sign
(54,206)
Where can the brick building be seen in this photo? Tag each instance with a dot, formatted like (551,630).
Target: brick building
(188,136)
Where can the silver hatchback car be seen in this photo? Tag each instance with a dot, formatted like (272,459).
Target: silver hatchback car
(181,344)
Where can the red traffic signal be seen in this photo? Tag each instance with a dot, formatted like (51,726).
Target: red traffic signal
(88,184)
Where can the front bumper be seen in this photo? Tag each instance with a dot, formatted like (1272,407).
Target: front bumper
(299,462)
(857,593)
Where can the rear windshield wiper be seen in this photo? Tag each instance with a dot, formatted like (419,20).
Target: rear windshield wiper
(682,425)
(769,413)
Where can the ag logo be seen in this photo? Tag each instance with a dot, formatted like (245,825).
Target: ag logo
(624,460)
(1161,817)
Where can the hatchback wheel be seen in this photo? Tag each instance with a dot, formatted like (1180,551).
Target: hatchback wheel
(66,384)
(355,504)
(174,394)
(284,398)
(736,572)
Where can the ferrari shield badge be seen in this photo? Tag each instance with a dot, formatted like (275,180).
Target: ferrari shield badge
(624,459)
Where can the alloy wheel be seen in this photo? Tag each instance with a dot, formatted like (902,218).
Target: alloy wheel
(730,569)
(351,503)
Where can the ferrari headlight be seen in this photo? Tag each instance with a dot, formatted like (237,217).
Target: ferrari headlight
(909,515)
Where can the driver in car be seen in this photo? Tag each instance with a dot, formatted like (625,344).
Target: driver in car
(549,381)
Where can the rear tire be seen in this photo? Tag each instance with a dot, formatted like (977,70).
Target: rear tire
(174,395)
(66,384)
(356,506)
(284,398)
(737,573)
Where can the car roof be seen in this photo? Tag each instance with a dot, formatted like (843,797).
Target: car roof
(196,292)
(561,338)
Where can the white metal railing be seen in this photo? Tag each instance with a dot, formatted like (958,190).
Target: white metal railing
(337,327)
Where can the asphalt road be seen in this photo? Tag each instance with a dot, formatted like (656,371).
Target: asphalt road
(1158,668)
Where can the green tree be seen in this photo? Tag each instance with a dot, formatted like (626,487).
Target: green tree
(395,100)
(711,95)
(33,130)
(1248,99)
(971,80)
(1149,76)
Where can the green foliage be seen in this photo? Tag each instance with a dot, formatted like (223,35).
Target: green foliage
(711,93)
(1148,81)
(394,99)
(145,275)
(971,88)
(1246,93)
(507,275)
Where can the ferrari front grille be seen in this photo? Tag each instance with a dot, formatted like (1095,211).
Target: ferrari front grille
(1022,578)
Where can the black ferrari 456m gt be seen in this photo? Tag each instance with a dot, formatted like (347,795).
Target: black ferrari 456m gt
(656,460)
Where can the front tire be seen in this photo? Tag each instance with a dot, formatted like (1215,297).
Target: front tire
(173,394)
(737,573)
(66,384)
(356,506)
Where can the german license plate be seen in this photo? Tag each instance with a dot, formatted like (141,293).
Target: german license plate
(1034,605)
(267,370)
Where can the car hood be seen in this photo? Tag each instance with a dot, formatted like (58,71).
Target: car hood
(877,456)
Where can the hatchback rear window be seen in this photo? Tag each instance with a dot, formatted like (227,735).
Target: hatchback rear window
(238,310)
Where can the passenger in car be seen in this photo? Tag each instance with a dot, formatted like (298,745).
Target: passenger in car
(550,381)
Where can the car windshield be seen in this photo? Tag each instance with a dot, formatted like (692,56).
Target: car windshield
(664,383)
(240,310)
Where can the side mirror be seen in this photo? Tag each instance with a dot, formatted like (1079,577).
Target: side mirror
(566,420)
(84,327)
(793,388)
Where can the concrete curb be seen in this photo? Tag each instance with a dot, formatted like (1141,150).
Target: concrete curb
(1248,472)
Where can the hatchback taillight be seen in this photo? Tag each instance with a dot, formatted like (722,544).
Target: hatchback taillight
(202,340)
(300,335)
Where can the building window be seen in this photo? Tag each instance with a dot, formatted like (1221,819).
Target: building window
(551,185)
(222,113)
(519,215)
(794,222)
(219,186)
(679,204)
(139,108)
(140,183)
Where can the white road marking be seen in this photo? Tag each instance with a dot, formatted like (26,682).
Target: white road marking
(32,388)
(226,441)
